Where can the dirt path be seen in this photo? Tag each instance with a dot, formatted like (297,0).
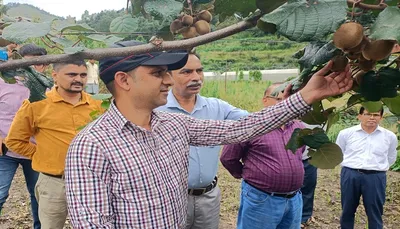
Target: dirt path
(16,212)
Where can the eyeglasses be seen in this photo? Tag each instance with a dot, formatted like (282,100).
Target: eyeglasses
(372,115)
(277,99)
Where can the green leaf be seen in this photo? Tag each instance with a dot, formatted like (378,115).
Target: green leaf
(63,41)
(66,25)
(317,53)
(75,49)
(328,156)
(354,99)
(101,96)
(19,32)
(110,39)
(372,106)
(332,119)
(393,104)
(124,24)
(316,138)
(387,26)
(105,104)
(163,9)
(300,21)
(295,141)
(315,116)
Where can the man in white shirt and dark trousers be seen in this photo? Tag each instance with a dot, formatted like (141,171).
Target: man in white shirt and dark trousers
(92,86)
(368,152)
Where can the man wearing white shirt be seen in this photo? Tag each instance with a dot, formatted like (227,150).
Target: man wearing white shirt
(92,86)
(368,152)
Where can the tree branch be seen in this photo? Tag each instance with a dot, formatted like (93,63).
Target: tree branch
(98,54)
(379,6)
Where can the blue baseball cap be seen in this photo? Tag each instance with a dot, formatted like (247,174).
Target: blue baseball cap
(109,66)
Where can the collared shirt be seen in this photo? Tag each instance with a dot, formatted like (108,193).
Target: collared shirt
(11,98)
(203,161)
(120,175)
(374,151)
(265,163)
(92,73)
(54,123)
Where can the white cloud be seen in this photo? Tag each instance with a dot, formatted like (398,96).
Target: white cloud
(74,8)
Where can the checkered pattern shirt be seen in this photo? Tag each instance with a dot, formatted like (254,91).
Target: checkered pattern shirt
(119,175)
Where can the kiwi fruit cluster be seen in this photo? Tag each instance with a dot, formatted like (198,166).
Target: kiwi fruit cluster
(192,25)
(362,51)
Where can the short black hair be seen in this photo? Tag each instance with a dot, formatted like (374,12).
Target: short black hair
(78,62)
(32,50)
(362,109)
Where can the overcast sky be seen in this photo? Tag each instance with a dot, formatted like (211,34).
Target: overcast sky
(75,8)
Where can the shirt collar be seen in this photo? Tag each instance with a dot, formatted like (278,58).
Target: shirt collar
(359,128)
(120,121)
(173,103)
(56,97)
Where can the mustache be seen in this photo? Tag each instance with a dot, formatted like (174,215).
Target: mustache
(77,83)
(194,83)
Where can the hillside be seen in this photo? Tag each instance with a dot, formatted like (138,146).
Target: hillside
(29,11)
(249,50)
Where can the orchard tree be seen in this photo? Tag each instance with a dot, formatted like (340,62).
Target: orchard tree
(363,33)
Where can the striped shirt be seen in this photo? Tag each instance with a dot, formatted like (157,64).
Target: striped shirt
(120,175)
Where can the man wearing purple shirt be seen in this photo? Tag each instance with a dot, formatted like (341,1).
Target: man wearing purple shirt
(11,98)
(272,176)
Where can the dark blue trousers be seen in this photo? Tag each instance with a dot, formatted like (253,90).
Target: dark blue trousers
(372,187)
(308,190)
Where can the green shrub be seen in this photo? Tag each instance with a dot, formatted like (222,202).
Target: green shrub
(255,75)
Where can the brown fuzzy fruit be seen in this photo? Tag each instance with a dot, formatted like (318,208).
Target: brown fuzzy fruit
(358,49)
(175,26)
(348,35)
(339,63)
(189,32)
(358,76)
(366,65)
(378,50)
(202,27)
(353,56)
(187,20)
(205,15)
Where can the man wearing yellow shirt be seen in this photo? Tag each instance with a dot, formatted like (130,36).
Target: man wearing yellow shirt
(53,122)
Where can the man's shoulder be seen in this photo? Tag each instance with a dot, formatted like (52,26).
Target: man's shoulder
(387,132)
(350,130)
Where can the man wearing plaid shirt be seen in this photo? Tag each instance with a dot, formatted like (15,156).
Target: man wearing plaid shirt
(129,168)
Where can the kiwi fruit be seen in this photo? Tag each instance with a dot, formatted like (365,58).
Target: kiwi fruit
(378,50)
(366,65)
(190,32)
(175,26)
(359,47)
(348,35)
(204,15)
(339,63)
(187,20)
(358,76)
(353,56)
(202,27)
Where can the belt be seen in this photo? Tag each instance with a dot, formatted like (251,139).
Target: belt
(284,195)
(366,171)
(55,176)
(201,191)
